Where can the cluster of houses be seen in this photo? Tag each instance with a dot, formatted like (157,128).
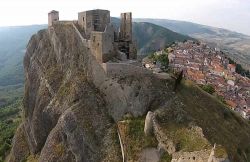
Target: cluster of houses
(205,65)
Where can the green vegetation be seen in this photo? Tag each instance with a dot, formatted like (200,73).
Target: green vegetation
(9,94)
(31,158)
(59,149)
(221,99)
(186,139)
(136,140)
(162,58)
(219,123)
(13,42)
(166,157)
(9,120)
(239,69)
(220,152)
(208,88)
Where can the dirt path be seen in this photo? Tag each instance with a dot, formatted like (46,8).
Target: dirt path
(149,155)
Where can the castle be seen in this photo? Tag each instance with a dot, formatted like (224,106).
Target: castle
(105,41)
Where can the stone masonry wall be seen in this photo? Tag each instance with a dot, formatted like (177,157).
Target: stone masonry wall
(151,126)
(123,69)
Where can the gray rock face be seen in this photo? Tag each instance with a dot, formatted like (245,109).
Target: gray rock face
(70,104)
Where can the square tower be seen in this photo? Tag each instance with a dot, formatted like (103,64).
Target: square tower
(52,17)
(126,43)
(126,26)
(93,20)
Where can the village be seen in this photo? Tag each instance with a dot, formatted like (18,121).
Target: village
(210,66)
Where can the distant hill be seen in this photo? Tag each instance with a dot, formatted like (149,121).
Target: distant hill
(13,41)
(151,37)
(237,45)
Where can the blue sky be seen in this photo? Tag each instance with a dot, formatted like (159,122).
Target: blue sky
(229,14)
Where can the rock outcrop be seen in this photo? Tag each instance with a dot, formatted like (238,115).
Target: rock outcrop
(70,104)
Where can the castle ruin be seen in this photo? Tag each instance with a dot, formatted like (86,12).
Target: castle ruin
(53,16)
(104,40)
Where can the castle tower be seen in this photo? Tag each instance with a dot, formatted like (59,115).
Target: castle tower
(126,26)
(93,20)
(53,16)
(126,43)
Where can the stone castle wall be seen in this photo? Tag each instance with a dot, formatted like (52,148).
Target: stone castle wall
(94,20)
(152,127)
(102,45)
(123,69)
(118,98)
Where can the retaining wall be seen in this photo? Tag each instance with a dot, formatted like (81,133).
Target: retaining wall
(123,69)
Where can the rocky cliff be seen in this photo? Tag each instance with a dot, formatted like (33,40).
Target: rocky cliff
(71,106)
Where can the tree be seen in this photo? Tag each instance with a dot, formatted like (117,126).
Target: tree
(163,59)
(239,69)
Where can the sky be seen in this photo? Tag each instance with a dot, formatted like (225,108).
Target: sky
(229,14)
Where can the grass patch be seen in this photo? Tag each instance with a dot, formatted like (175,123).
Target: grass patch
(32,158)
(220,125)
(133,135)
(220,152)
(59,149)
(166,157)
(186,139)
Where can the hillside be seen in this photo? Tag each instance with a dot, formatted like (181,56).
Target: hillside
(152,37)
(235,44)
(13,42)
(72,110)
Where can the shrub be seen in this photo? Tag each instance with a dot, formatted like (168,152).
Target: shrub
(221,99)
(163,58)
(166,157)
(178,80)
(226,114)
